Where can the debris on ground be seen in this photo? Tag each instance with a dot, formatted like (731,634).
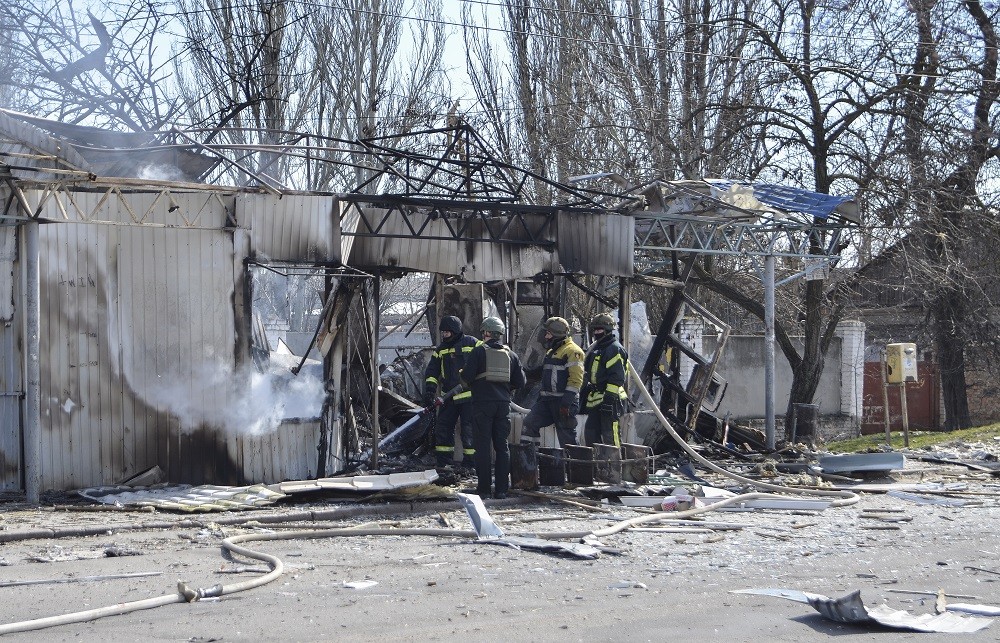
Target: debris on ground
(851,609)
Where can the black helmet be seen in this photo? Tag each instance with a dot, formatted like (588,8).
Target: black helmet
(451,323)
(605,321)
(558,326)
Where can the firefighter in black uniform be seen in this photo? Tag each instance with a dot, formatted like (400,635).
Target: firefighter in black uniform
(491,372)
(605,370)
(562,376)
(440,377)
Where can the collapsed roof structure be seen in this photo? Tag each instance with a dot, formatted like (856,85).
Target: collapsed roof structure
(126,284)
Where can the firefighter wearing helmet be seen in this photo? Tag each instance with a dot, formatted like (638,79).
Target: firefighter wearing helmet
(442,375)
(491,372)
(562,376)
(605,369)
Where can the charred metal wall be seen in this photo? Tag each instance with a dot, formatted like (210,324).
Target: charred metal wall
(596,244)
(11,384)
(135,322)
(580,242)
(294,227)
(142,302)
(398,247)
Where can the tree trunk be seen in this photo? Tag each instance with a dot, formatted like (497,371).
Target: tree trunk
(950,344)
(806,374)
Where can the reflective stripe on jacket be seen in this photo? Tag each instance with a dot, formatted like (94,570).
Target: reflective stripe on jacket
(606,368)
(562,369)
(443,368)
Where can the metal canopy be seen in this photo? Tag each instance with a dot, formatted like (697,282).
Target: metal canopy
(512,225)
(456,163)
(757,220)
(724,217)
(451,175)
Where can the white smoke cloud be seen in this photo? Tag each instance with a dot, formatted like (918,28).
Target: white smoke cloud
(239,403)
(160,173)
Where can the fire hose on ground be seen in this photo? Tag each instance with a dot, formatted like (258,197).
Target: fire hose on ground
(187,594)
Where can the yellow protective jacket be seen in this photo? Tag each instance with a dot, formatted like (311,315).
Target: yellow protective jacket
(606,368)
(562,370)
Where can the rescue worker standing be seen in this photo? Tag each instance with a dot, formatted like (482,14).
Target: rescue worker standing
(491,372)
(562,376)
(441,376)
(605,368)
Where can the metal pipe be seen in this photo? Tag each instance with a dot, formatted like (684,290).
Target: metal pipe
(376,376)
(769,351)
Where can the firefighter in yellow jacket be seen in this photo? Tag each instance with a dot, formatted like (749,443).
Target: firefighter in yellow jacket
(606,368)
(562,376)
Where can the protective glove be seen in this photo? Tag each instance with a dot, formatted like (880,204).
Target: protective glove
(438,401)
(430,392)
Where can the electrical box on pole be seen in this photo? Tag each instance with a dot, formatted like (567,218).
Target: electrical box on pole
(901,363)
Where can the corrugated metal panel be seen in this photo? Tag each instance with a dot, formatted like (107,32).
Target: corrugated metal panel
(35,141)
(289,453)
(133,320)
(138,346)
(474,260)
(350,217)
(597,244)
(10,408)
(10,367)
(8,239)
(176,292)
(291,228)
(73,282)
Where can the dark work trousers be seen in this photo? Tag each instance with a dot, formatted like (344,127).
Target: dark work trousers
(544,412)
(602,425)
(491,426)
(444,432)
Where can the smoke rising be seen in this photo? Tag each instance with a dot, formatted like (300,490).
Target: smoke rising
(160,173)
(239,403)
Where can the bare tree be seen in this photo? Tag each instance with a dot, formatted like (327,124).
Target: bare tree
(950,144)
(644,90)
(245,79)
(827,103)
(377,73)
(104,70)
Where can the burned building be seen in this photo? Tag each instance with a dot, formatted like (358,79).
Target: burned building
(129,339)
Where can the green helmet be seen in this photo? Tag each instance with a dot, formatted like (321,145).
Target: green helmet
(605,321)
(558,326)
(494,325)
